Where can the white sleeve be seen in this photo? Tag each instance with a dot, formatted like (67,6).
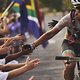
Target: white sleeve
(3,75)
(63,22)
(13,62)
(2,61)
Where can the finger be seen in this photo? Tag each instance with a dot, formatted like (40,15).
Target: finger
(36,64)
(28,59)
(32,78)
(50,23)
(36,60)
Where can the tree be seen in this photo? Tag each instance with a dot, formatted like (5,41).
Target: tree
(51,4)
(56,4)
(3,4)
(66,4)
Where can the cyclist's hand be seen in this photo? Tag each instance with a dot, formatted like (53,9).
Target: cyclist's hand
(52,23)
(28,48)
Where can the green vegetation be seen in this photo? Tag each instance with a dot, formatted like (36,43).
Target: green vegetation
(59,5)
(51,5)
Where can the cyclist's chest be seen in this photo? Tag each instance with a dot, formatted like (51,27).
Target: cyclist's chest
(74,28)
(77,25)
(73,32)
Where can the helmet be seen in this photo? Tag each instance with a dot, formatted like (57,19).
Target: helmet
(75,2)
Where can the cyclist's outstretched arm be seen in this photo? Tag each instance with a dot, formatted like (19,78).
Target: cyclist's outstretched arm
(46,36)
(49,34)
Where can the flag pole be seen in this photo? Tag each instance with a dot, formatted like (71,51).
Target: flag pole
(7,9)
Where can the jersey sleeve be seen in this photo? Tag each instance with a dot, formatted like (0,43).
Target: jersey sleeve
(3,75)
(63,22)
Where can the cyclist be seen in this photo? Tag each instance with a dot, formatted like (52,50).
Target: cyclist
(71,42)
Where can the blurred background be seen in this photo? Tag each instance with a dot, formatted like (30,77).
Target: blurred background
(57,5)
(52,6)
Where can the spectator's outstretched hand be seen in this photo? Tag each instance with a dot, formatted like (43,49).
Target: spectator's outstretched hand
(20,37)
(32,63)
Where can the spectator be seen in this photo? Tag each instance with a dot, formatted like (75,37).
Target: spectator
(17,69)
(6,47)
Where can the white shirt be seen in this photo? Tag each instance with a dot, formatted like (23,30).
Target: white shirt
(2,61)
(3,75)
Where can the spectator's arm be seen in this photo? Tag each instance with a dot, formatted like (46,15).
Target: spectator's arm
(3,50)
(3,26)
(29,65)
(8,67)
(13,56)
(16,55)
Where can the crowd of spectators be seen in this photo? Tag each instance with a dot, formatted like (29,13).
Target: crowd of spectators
(12,47)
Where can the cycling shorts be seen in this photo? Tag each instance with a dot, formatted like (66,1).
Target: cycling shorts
(73,48)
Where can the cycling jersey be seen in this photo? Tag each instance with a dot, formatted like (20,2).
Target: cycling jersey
(73,31)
